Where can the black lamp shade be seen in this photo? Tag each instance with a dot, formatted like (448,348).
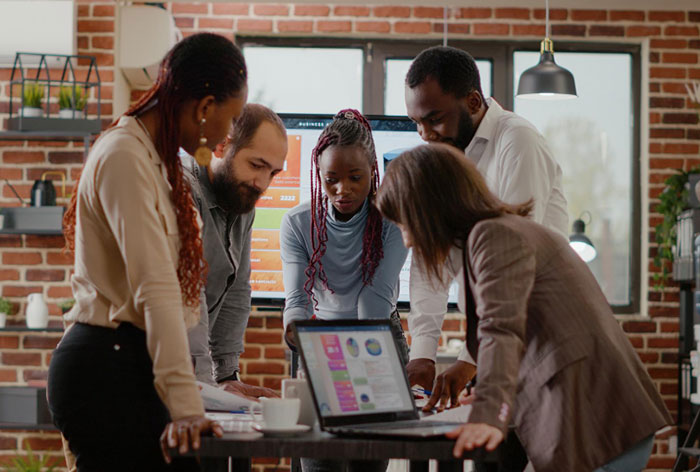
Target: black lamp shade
(547,80)
(580,243)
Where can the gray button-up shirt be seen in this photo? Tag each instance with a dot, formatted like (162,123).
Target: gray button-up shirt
(216,342)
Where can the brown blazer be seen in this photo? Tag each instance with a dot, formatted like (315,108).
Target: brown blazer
(552,358)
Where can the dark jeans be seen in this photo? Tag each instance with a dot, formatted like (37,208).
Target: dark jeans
(102,398)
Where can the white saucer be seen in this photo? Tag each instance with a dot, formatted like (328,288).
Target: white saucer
(283,431)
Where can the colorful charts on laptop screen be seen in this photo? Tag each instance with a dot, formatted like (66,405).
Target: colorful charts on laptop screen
(355,371)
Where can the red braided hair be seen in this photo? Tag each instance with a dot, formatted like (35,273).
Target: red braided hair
(348,128)
(200,65)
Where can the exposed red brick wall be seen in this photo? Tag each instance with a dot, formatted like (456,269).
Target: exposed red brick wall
(31,263)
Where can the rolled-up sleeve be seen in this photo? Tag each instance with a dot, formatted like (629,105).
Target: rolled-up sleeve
(126,193)
(428,307)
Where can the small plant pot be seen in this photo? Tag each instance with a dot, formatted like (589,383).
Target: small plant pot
(70,113)
(3,320)
(31,112)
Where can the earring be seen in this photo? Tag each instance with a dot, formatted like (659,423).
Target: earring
(203,154)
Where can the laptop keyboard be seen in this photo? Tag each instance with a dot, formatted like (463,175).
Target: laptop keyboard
(407,424)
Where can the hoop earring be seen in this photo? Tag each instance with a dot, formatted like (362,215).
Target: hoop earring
(203,154)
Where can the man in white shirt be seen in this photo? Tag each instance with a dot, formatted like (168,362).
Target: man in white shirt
(444,99)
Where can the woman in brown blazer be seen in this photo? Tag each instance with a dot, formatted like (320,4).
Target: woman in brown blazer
(551,358)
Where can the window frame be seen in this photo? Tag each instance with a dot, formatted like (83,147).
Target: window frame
(500,53)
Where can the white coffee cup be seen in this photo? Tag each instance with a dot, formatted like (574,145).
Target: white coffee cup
(280,412)
(299,388)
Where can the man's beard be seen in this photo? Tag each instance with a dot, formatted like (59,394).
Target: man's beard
(231,194)
(465,132)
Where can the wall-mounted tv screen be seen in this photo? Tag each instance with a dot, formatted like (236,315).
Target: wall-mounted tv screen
(392,135)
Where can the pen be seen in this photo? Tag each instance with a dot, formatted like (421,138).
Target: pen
(422,390)
(470,385)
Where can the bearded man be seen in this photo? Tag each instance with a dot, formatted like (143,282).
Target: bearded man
(226,193)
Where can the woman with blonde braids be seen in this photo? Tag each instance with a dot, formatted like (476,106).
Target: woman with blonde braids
(341,259)
(122,371)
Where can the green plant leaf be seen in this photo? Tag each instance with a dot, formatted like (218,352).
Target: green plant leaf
(673,200)
(33,94)
(72,98)
(5,305)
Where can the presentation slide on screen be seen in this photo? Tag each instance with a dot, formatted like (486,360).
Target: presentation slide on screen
(292,186)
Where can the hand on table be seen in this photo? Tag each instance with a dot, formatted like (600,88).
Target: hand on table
(473,435)
(185,432)
(421,372)
(289,336)
(466,398)
(448,386)
(251,392)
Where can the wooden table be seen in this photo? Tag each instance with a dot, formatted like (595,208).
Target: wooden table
(241,447)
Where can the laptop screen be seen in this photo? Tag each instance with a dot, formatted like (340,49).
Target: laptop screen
(354,368)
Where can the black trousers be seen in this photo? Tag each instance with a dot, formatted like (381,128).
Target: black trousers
(511,456)
(102,398)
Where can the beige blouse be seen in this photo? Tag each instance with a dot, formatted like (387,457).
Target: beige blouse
(126,254)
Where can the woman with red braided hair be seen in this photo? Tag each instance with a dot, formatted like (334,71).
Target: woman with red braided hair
(341,260)
(121,378)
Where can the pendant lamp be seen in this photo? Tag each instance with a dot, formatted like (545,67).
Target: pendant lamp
(580,243)
(547,80)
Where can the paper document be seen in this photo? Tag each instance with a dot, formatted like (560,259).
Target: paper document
(459,414)
(219,399)
(233,422)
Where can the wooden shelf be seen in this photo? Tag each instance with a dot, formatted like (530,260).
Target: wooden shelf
(39,232)
(45,135)
(21,329)
(28,426)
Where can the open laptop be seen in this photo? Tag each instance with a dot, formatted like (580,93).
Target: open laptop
(358,381)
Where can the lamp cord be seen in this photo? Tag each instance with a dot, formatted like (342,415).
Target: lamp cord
(444,26)
(546,18)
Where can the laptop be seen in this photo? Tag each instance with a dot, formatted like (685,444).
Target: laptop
(358,382)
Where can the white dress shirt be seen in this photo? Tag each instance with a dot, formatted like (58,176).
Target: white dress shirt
(514,159)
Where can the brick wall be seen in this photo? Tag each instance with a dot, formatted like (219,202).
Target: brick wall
(35,264)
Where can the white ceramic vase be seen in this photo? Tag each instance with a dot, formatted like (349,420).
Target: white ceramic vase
(31,112)
(37,312)
(68,113)
(3,319)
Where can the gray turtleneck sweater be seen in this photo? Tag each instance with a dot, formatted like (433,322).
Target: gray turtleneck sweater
(341,263)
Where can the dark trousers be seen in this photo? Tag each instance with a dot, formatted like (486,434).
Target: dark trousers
(102,398)
(511,456)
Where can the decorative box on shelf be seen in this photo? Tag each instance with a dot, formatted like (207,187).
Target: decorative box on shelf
(25,405)
(32,80)
(46,220)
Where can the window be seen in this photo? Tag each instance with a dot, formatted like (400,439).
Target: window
(595,138)
(396,70)
(592,140)
(277,74)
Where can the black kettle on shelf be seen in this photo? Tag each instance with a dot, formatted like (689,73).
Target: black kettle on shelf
(43,192)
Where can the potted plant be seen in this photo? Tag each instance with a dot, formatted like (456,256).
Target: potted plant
(71,101)
(673,201)
(5,308)
(66,305)
(31,100)
(31,463)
